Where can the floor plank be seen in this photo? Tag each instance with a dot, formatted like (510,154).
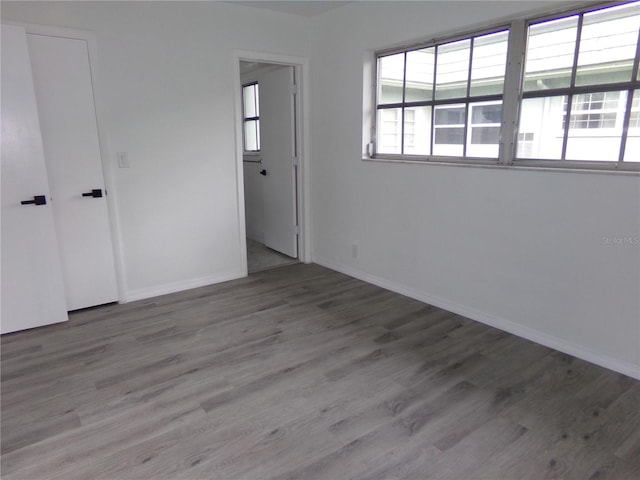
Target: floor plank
(303,373)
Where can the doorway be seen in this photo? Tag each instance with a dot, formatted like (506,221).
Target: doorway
(270,163)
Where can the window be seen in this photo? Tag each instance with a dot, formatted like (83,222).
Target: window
(251,115)
(594,110)
(579,81)
(442,97)
(573,102)
(525,143)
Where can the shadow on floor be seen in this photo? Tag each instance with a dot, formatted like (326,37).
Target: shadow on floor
(260,257)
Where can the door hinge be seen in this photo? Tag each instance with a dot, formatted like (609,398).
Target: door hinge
(294,89)
(296,162)
(297,229)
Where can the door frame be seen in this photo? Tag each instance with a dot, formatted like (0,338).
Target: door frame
(103,139)
(301,69)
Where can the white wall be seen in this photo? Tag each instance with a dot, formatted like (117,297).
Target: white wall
(527,251)
(166,72)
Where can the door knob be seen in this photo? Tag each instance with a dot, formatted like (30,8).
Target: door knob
(37,200)
(95,193)
(263,172)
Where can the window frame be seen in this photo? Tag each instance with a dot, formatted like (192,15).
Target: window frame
(246,119)
(512,96)
(454,102)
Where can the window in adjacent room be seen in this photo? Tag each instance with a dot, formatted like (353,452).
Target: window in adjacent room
(251,116)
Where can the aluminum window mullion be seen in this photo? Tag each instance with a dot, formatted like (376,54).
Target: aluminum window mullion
(446,101)
(572,84)
(630,94)
(576,51)
(467,102)
(512,92)
(433,98)
(404,98)
(556,92)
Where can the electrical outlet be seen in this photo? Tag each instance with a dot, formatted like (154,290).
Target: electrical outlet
(354,250)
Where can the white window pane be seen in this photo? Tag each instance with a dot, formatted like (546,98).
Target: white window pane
(419,83)
(448,141)
(595,126)
(483,136)
(451,115)
(542,120)
(489,63)
(486,113)
(256,91)
(251,136)
(632,149)
(448,130)
(452,71)
(389,130)
(634,118)
(249,101)
(550,52)
(597,110)
(608,45)
(391,70)
(417,131)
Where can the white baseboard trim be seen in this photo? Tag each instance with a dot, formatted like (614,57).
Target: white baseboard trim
(562,345)
(143,293)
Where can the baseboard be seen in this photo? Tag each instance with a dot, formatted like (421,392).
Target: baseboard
(174,287)
(537,336)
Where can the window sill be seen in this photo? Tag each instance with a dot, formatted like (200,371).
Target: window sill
(522,165)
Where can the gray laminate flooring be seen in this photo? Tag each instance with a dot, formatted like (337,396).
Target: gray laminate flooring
(304,373)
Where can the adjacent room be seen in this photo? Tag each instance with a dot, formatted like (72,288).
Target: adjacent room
(320,240)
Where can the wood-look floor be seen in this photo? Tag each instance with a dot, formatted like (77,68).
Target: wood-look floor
(304,373)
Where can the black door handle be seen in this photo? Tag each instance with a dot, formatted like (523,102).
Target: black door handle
(263,172)
(95,193)
(37,200)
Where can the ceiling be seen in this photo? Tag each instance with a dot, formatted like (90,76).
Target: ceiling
(304,8)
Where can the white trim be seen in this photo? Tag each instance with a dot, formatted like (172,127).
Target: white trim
(560,344)
(301,66)
(103,140)
(180,286)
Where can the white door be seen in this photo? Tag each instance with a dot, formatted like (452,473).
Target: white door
(64,94)
(277,147)
(31,286)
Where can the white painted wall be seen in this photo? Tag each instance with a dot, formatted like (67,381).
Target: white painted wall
(527,251)
(166,72)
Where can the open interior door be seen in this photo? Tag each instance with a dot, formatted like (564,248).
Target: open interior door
(277,147)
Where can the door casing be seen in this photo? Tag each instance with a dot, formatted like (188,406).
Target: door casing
(301,68)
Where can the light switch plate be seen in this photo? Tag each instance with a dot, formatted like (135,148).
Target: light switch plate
(123,160)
